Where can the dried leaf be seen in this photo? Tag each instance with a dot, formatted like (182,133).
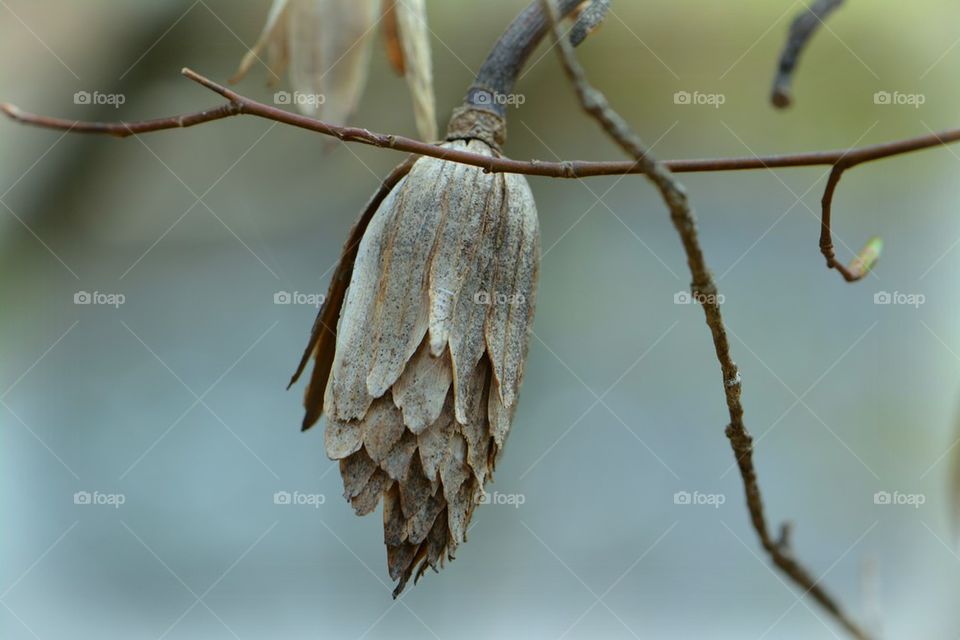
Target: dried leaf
(323,338)
(393,522)
(366,501)
(435,441)
(402,301)
(397,462)
(421,522)
(414,34)
(429,352)
(421,390)
(330,54)
(513,298)
(356,470)
(467,342)
(382,428)
(453,470)
(467,207)
(415,490)
(391,36)
(273,38)
(342,438)
(325,44)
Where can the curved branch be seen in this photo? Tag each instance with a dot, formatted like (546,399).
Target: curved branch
(868,256)
(684,219)
(589,21)
(509,55)
(801,30)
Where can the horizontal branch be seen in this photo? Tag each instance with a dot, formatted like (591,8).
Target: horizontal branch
(240,105)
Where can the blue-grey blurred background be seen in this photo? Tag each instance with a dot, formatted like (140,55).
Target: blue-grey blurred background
(169,412)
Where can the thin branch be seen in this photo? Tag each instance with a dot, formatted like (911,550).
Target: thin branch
(499,72)
(868,256)
(240,105)
(589,20)
(684,219)
(801,30)
(840,159)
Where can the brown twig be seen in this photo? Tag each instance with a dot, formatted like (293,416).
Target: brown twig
(684,219)
(240,105)
(840,159)
(868,256)
(801,30)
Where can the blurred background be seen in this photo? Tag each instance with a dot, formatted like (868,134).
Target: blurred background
(143,442)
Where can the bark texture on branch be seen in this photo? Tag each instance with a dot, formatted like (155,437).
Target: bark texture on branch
(705,290)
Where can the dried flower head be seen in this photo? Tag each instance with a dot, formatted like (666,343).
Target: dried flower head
(419,381)
(325,46)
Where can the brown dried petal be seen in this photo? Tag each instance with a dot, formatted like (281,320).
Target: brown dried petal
(356,471)
(400,560)
(435,441)
(414,34)
(341,438)
(475,426)
(415,490)
(500,417)
(467,342)
(454,471)
(514,293)
(421,522)
(354,353)
(382,428)
(458,515)
(393,521)
(367,500)
(467,206)
(437,541)
(329,44)
(397,462)
(403,303)
(323,337)
(421,390)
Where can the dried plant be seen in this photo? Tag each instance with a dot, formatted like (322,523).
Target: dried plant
(420,379)
(324,45)
(418,353)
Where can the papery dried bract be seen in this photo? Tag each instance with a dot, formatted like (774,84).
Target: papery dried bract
(430,349)
(325,46)
(414,39)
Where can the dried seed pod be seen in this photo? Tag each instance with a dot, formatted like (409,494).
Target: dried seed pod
(420,386)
